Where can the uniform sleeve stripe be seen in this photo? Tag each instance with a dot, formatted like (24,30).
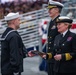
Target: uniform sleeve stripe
(68,56)
(49,55)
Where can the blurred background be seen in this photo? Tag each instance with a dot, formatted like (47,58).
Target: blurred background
(33,28)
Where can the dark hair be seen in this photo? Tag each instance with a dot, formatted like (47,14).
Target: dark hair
(60,9)
(69,26)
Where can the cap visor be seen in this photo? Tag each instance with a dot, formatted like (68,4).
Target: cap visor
(49,7)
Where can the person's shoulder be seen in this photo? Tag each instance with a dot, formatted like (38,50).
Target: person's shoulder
(72,34)
(56,18)
(12,35)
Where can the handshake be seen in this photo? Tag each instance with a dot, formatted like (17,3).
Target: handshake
(34,53)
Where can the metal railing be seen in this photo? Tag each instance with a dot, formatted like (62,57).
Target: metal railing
(29,27)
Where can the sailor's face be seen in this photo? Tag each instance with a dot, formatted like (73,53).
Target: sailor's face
(17,23)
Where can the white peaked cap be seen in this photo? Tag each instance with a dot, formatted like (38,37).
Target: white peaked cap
(55,3)
(64,19)
(11,16)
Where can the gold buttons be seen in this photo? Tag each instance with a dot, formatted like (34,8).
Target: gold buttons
(50,37)
(49,47)
(63,44)
(49,42)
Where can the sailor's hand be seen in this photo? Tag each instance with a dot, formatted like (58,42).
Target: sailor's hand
(30,54)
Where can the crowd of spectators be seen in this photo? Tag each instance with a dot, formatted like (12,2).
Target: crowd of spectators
(70,9)
(24,7)
(21,7)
